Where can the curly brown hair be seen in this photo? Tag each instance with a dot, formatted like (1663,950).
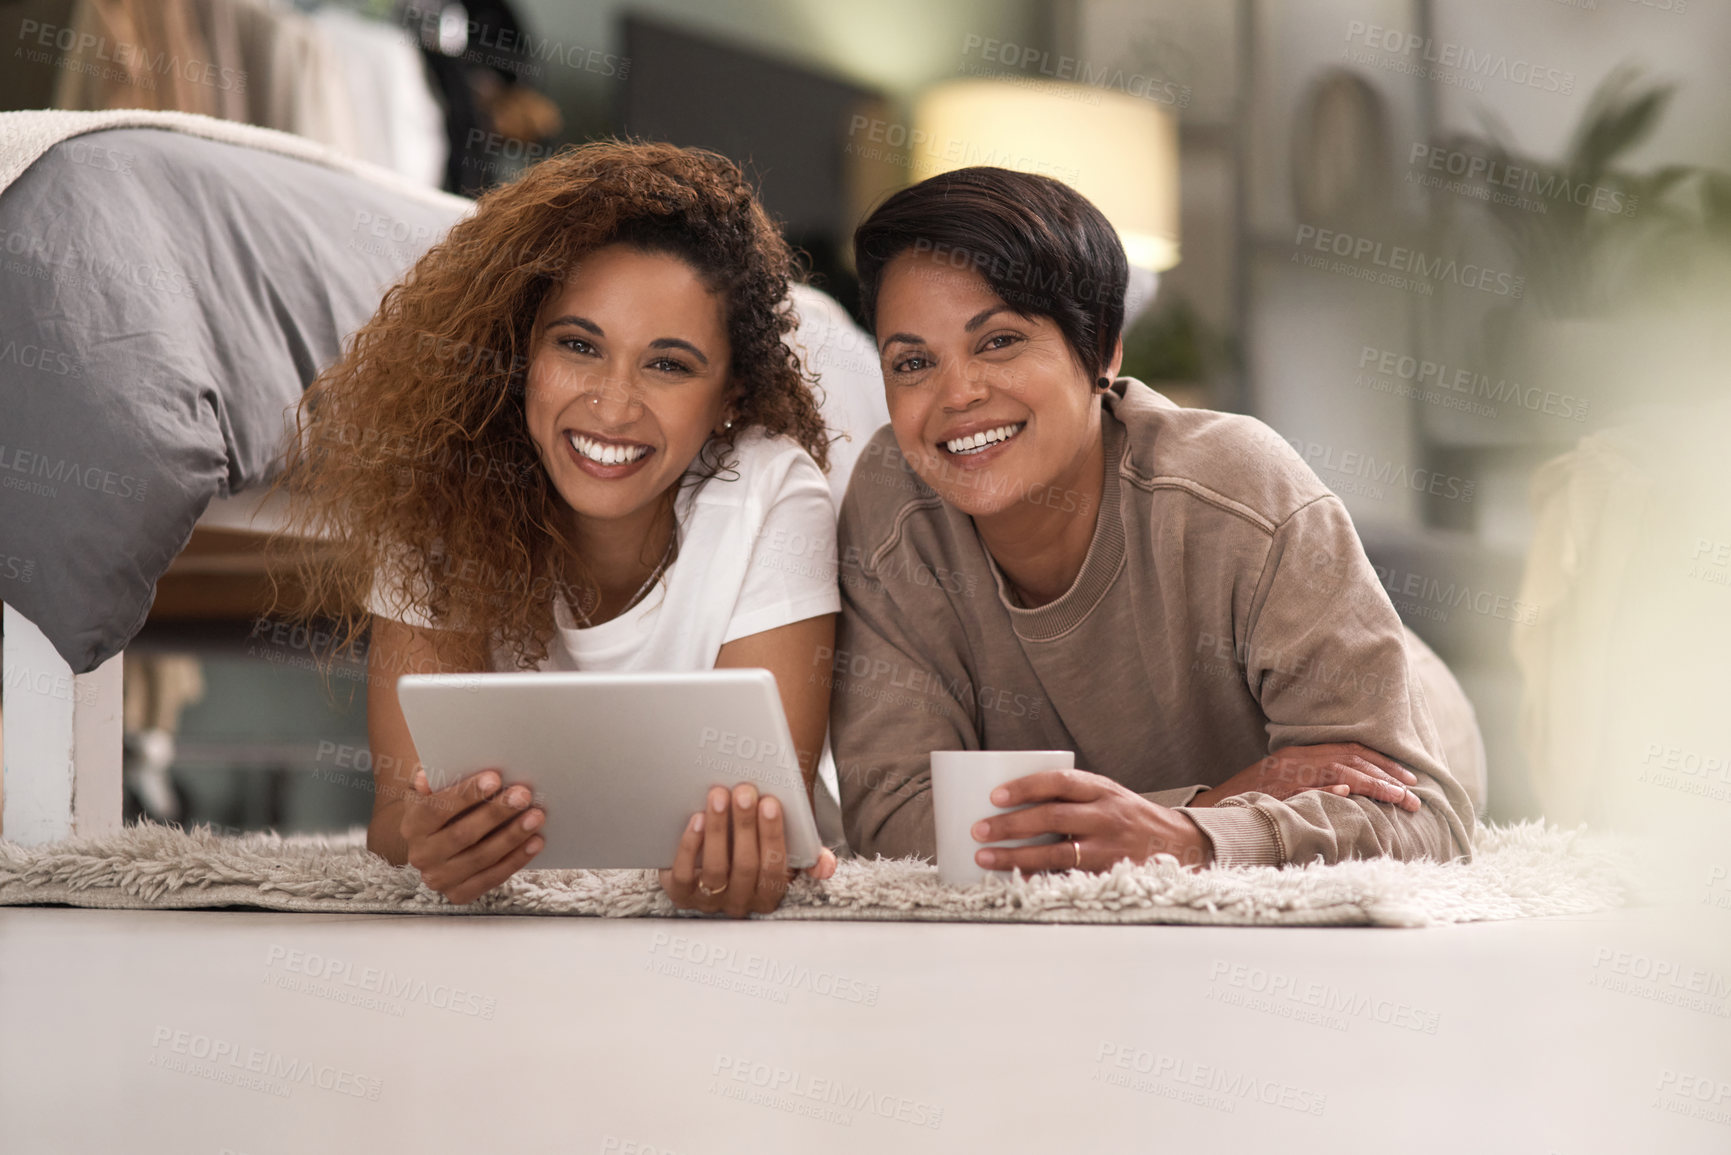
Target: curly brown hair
(413,454)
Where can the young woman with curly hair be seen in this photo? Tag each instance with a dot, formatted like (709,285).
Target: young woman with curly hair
(567,441)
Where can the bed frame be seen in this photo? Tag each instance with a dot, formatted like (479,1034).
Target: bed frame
(60,740)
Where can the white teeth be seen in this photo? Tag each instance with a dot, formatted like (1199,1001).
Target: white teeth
(978,441)
(605,454)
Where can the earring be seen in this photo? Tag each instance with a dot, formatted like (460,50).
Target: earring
(1102,384)
(726,425)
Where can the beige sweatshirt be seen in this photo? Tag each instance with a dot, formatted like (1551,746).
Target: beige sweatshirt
(1225,610)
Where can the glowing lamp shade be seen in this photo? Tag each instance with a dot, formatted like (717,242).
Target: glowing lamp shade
(1119,151)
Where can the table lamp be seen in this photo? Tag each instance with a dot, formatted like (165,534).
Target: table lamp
(1119,151)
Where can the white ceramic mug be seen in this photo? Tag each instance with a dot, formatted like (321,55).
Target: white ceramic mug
(962,785)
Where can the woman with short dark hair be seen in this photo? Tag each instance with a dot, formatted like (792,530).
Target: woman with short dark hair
(1039,554)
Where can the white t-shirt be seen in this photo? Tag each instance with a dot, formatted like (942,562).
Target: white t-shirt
(756,552)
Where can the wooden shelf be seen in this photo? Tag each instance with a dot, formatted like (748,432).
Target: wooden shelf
(221,575)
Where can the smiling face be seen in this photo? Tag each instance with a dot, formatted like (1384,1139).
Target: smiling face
(991,408)
(627,379)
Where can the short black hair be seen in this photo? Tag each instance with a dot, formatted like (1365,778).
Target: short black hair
(1041,246)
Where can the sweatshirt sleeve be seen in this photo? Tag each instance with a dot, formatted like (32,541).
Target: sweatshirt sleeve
(893,701)
(1180,796)
(1325,654)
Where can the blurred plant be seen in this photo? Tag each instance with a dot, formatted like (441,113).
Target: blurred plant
(1172,342)
(1589,234)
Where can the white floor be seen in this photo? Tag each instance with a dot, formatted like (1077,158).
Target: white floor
(259,1033)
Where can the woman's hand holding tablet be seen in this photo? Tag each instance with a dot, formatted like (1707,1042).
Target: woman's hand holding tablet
(472,835)
(732,857)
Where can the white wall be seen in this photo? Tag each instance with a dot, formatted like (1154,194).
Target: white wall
(1691,46)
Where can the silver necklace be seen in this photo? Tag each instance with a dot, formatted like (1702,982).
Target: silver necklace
(647,583)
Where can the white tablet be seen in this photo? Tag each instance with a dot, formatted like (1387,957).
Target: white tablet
(620,762)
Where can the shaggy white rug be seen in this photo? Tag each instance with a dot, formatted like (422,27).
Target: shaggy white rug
(1527,869)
